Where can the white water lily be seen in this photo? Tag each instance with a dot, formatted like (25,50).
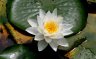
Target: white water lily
(49,29)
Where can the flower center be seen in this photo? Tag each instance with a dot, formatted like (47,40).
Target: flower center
(51,27)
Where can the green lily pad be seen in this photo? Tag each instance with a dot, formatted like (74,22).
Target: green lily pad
(87,49)
(89,33)
(17,52)
(81,53)
(72,10)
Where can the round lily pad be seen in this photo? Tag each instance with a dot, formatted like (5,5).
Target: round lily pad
(72,10)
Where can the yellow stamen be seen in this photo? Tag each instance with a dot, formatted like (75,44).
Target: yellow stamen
(51,26)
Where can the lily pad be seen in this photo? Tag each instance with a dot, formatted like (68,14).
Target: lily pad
(72,10)
(17,52)
(88,33)
(87,49)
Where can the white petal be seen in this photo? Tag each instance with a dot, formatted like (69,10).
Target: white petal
(32,22)
(66,29)
(40,30)
(41,13)
(60,19)
(57,18)
(67,26)
(48,40)
(63,42)
(39,37)
(40,21)
(55,12)
(48,16)
(67,32)
(57,36)
(32,30)
(54,45)
(40,17)
(42,45)
(48,13)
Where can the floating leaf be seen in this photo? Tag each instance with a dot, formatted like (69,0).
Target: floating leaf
(81,53)
(17,52)
(73,11)
(87,49)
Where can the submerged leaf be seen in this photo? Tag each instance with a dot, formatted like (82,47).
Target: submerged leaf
(3,7)
(92,1)
(3,37)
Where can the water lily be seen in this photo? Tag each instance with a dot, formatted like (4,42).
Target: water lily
(49,28)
